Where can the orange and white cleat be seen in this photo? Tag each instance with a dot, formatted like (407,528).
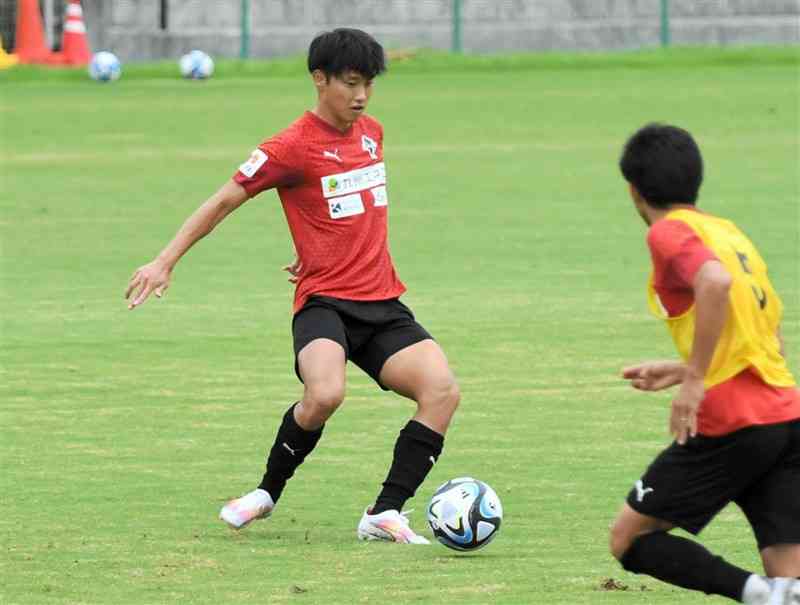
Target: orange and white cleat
(389,526)
(240,512)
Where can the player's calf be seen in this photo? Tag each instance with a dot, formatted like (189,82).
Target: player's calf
(687,564)
(292,445)
(415,452)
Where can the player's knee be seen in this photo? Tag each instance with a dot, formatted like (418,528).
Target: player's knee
(619,540)
(454,396)
(443,394)
(324,399)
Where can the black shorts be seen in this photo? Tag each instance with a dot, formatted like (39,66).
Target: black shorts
(369,331)
(758,468)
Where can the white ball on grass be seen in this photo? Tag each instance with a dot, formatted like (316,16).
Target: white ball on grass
(196,65)
(105,67)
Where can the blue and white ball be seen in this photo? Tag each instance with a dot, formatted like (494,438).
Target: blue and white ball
(196,65)
(105,67)
(465,514)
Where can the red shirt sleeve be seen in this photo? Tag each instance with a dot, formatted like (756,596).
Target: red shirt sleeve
(678,253)
(277,162)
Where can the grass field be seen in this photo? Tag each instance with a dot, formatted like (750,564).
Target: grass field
(123,433)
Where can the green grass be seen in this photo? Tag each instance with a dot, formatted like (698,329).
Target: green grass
(414,62)
(123,433)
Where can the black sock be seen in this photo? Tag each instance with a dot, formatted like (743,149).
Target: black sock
(684,563)
(416,450)
(292,445)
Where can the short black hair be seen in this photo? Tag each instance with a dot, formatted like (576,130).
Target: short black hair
(344,49)
(664,164)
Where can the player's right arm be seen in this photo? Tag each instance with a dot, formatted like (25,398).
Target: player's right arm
(278,161)
(711,286)
(154,277)
(684,262)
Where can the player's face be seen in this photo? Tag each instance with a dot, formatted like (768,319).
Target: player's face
(343,98)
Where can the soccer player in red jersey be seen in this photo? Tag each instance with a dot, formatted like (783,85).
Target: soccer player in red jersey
(330,175)
(736,416)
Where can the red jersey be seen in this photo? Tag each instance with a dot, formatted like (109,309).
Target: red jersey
(744,400)
(332,186)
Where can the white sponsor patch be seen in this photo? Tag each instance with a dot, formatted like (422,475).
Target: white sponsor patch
(379,196)
(356,180)
(256,161)
(348,205)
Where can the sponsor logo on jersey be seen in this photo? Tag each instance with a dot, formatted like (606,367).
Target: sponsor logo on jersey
(379,197)
(370,146)
(256,161)
(348,205)
(344,183)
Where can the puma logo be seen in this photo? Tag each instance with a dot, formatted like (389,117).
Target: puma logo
(432,459)
(642,491)
(334,155)
(290,450)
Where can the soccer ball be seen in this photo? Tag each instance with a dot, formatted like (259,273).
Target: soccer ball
(105,67)
(196,65)
(465,514)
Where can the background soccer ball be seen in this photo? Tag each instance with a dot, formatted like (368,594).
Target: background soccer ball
(465,514)
(196,65)
(105,67)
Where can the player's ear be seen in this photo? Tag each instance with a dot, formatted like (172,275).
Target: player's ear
(320,79)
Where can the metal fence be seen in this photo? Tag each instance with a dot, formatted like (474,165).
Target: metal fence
(153,29)
(52,19)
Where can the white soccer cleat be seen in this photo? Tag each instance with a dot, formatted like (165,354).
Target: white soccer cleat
(254,505)
(793,593)
(390,526)
(785,591)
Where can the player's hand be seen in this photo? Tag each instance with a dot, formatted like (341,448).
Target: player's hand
(683,419)
(294,270)
(152,278)
(655,375)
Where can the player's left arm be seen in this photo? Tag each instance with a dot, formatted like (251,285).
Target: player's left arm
(655,375)
(711,286)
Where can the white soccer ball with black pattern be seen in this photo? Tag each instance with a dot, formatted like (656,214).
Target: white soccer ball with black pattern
(465,514)
(105,67)
(196,65)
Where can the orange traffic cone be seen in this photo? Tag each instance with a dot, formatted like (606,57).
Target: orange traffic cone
(30,34)
(75,47)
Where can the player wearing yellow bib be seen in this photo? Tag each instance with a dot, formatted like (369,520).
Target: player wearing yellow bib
(736,416)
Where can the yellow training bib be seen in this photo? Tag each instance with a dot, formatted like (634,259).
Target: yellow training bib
(749,337)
